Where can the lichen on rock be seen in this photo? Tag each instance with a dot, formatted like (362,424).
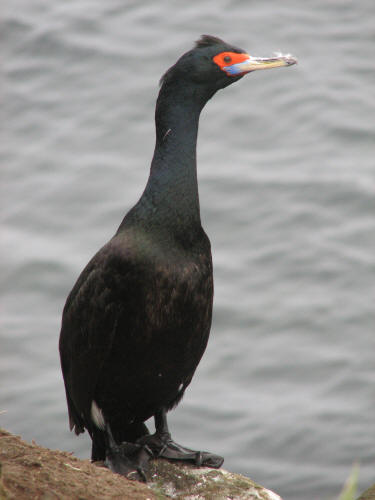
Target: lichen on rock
(184,482)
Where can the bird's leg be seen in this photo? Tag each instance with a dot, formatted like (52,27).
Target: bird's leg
(128,459)
(163,446)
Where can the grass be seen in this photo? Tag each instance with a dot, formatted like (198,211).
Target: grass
(349,492)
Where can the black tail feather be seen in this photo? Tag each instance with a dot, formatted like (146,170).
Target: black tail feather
(128,434)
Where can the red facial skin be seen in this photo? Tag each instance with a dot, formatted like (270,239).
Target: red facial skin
(228,59)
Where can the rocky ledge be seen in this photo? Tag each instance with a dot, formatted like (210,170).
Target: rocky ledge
(30,471)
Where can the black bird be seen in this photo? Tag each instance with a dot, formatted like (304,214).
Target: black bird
(137,321)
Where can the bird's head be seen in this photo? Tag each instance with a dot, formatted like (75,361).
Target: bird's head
(214,64)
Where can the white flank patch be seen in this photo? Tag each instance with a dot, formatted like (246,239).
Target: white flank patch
(180,387)
(97,416)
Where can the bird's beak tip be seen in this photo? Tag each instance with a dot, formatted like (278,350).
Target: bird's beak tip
(278,60)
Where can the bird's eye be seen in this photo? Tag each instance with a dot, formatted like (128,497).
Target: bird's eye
(227,59)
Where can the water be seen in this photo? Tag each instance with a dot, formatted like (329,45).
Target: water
(285,390)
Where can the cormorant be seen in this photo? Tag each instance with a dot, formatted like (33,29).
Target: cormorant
(137,321)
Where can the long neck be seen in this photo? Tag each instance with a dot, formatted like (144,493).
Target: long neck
(170,198)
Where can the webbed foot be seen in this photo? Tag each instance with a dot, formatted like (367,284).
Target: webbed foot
(128,459)
(163,446)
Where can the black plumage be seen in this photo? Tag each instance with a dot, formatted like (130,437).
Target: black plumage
(137,321)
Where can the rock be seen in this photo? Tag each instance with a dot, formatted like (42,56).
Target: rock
(31,471)
(183,482)
(368,494)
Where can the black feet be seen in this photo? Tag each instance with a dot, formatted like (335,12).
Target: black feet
(131,459)
(162,446)
(128,459)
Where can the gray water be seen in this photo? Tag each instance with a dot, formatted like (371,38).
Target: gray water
(285,390)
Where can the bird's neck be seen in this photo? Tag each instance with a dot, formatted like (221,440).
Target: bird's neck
(171,196)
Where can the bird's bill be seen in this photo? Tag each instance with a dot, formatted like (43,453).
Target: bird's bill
(254,63)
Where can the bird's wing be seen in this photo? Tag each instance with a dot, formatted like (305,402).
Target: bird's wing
(89,326)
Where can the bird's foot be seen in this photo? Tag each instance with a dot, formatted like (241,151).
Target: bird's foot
(163,446)
(129,460)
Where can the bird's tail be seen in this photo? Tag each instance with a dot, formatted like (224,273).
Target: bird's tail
(129,434)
